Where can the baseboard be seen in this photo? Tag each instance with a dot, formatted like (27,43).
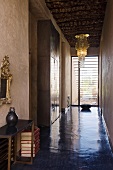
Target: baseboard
(111,145)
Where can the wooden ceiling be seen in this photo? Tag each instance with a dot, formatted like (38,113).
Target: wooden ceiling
(79,17)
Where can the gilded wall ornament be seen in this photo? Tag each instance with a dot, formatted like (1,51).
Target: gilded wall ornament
(5,81)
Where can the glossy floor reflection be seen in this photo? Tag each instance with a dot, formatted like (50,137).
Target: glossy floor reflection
(76,141)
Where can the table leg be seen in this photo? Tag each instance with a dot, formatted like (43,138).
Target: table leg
(9,153)
(32,142)
(15,148)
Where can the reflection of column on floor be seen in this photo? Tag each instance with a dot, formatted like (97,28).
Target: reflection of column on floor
(55,114)
(65,131)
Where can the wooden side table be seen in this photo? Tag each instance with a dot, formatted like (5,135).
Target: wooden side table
(10,133)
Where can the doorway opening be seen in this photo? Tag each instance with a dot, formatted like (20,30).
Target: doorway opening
(85,81)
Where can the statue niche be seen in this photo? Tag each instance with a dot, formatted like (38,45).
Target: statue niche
(5,81)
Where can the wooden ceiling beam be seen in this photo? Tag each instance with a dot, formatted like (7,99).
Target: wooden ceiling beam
(66,8)
(79,17)
(87,18)
(76,2)
(85,23)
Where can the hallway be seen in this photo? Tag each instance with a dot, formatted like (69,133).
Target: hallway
(76,141)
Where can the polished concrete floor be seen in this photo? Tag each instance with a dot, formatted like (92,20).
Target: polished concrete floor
(76,141)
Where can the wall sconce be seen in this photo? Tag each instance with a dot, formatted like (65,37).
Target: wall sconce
(81,46)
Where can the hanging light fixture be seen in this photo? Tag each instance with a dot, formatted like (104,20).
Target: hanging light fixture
(81,46)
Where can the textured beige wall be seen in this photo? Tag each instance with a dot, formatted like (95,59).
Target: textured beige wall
(74,86)
(107,69)
(14,42)
(66,74)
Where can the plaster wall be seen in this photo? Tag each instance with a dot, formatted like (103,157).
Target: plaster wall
(74,86)
(66,74)
(14,43)
(107,69)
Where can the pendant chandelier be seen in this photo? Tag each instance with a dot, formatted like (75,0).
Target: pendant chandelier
(81,47)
